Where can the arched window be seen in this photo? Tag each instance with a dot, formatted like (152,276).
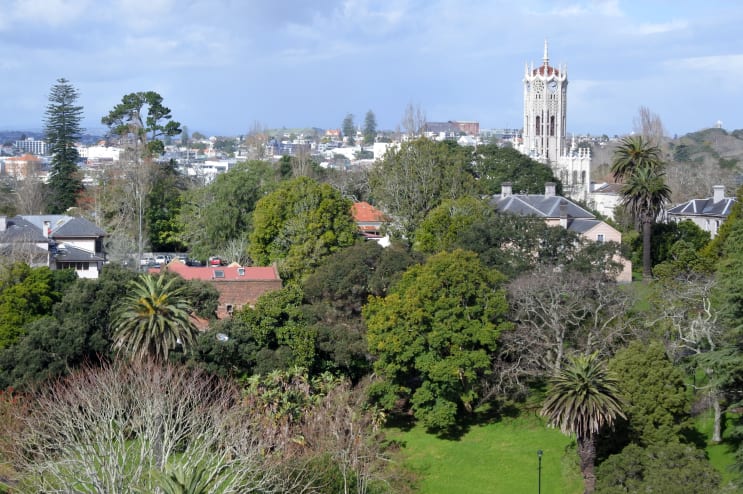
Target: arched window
(537,126)
(552,125)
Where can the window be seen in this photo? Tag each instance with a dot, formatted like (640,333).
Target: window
(218,273)
(241,271)
(600,238)
(230,309)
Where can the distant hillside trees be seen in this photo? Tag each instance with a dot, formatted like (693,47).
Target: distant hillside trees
(63,130)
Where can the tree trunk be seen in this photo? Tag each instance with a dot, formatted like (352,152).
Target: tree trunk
(647,267)
(717,427)
(587,454)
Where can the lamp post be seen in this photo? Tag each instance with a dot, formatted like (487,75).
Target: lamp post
(539,475)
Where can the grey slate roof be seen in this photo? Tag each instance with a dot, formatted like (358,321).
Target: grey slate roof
(581,225)
(65,226)
(704,207)
(538,205)
(69,253)
(20,230)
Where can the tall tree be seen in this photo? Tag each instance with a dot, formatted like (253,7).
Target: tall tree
(434,335)
(370,128)
(62,129)
(349,129)
(412,180)
(299,224)
(583,399)
(139,121)
(153,318)
(143,118)
(638,164)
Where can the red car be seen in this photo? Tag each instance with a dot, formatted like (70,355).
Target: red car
(215,261)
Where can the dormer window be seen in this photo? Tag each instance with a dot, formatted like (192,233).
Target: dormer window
(218,273)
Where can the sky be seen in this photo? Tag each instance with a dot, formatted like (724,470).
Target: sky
(225,67)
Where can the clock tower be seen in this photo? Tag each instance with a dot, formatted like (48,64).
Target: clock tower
(544,135)
(545,104)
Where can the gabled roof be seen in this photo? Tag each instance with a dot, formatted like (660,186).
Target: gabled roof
(704,207)
(223,273)
(63,226)
(18,229)
(538,205)
(363,212)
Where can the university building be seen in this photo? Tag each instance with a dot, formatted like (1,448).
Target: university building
(544,137)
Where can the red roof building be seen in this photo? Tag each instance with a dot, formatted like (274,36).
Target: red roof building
(238,286)
(368,218)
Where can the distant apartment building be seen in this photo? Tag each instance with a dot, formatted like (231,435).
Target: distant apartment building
(32,146)
(450,130)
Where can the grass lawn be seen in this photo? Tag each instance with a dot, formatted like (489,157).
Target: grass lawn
(721,455)
(493,458)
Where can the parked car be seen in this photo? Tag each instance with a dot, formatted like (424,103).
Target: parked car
(147,261)
(162,259)
(215,261)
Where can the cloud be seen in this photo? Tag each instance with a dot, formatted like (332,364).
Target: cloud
(661,28)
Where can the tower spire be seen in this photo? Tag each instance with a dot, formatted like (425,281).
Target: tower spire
(546,56)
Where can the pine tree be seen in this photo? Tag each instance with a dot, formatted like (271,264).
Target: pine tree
(62,129)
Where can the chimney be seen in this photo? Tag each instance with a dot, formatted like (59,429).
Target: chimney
(505,189)
(563,213)
(549,189)
(3,223)
(46,229)
(718,193)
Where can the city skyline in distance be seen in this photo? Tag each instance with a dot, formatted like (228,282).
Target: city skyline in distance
(222,67)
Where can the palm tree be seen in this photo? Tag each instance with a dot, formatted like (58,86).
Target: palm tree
(645,193)
(638,164)
(633,153)
(152,319)
(583,399)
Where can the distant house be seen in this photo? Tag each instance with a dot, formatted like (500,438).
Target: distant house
(57,241)
(370,222)
(708,214)
(605,197)
(238,286)
(556,210)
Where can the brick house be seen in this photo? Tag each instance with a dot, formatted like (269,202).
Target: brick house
(238,286)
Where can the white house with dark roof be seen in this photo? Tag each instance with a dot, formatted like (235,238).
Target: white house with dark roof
(556,210)
(708,214)
(57,241)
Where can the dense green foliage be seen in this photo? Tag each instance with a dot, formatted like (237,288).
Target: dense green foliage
(434,334)
(142,117)
(658,404)
(494,165)
(443,226)
(163,206)
(336,293)
(413,179)
(671,467)
(212,217)
(153,319)
(27,294)
(62,129)
(299,224)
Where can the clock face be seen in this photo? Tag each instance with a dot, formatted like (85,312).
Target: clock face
(552,86)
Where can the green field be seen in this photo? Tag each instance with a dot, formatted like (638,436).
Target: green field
(497,457)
